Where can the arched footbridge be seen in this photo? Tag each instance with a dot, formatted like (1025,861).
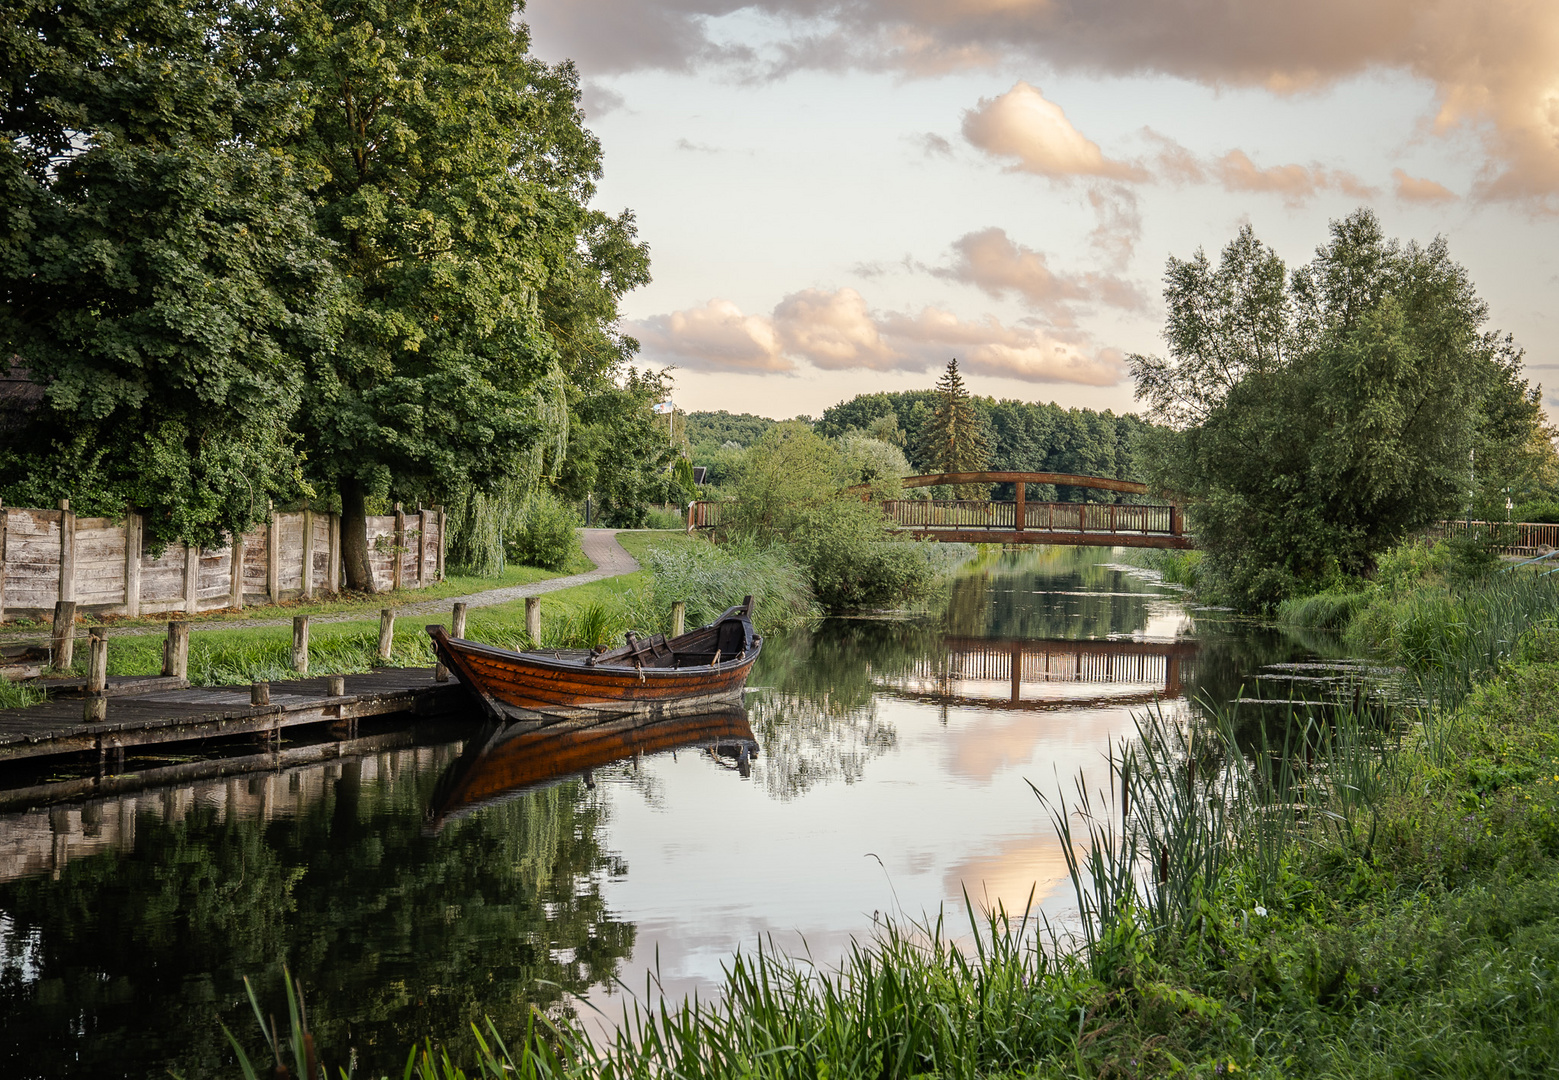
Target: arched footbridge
(983,521)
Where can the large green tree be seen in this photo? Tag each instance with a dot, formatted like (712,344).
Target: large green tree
(160,281)
(1318,417)
(452,171)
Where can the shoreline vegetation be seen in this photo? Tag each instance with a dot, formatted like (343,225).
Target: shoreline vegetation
(1372,896)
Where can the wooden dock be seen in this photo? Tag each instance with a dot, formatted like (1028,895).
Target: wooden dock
(194,714)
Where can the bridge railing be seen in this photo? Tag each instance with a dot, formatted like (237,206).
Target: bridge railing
(1522,538)
(1037,517)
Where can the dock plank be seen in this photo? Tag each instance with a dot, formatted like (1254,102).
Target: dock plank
(167,715)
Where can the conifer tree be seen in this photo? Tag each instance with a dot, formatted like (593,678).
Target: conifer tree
(954,438)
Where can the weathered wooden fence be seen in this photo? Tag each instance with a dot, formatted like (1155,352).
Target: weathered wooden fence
(101,565)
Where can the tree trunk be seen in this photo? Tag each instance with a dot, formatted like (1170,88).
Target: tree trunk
(354,537)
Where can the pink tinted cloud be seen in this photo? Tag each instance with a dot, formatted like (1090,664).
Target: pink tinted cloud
(1417,189)
(1490,62)
(837,331)
(990,260)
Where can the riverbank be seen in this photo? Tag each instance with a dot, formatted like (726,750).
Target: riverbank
(1348,901)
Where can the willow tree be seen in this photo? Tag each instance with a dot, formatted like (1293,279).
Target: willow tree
(953,438)
(452,171)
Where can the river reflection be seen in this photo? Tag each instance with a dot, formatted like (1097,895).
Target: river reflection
(880,768)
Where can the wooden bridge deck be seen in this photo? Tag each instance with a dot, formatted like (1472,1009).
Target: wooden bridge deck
(194,714)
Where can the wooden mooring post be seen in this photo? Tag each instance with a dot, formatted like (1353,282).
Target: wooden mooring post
(97,676)
(62,635)
(300,644)
(175,650)
(386,634)
(260,693)
(533,620)
(457,628)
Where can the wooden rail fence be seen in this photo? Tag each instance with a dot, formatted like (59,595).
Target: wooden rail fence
(101,565)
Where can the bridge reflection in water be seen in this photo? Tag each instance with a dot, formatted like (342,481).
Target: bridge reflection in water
(993,673)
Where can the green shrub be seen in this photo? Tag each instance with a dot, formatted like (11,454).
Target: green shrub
(547,535)
(1410,564)
(659,518)
(710,578)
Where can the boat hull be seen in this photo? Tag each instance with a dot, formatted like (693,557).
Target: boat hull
(514,685)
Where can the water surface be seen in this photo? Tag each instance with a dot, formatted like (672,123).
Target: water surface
(892,776)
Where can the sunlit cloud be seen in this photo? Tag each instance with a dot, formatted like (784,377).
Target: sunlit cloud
(1022,124)
(837,331)
(715,337)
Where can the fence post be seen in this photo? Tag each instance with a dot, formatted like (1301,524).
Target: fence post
(1175,523)
(5,520)
(691,507)
(533,620)
(235,583)
(333,571)
(386,633)
(443,527)
(62,634)
(300,644)
(133,527)
(273,556)
(67,586)
(175,650)
(398,550)
(422,543)
(1022,510)
(97,676)
(308,553)
(191,578)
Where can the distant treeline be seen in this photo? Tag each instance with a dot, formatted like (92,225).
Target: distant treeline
(1023,436)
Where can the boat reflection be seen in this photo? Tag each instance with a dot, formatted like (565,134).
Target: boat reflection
(1042,675)
(511,759)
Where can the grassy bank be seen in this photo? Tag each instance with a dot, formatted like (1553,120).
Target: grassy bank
(345,603)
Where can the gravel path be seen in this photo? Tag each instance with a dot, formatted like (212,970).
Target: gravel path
(600,546)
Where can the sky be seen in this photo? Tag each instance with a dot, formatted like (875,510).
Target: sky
(840,197)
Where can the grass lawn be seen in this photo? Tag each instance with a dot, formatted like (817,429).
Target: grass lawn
(240,655)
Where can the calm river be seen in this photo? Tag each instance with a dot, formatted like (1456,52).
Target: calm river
(414,896)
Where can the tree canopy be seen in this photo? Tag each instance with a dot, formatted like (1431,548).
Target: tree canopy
(160,275)
(317,250)
(1317,417)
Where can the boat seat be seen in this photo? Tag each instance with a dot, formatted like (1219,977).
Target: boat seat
(731,638)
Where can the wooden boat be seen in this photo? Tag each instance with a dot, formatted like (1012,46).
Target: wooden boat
(654,677)
(511,759)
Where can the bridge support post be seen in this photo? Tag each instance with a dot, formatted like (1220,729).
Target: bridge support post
(1176,521)
(1022,515)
